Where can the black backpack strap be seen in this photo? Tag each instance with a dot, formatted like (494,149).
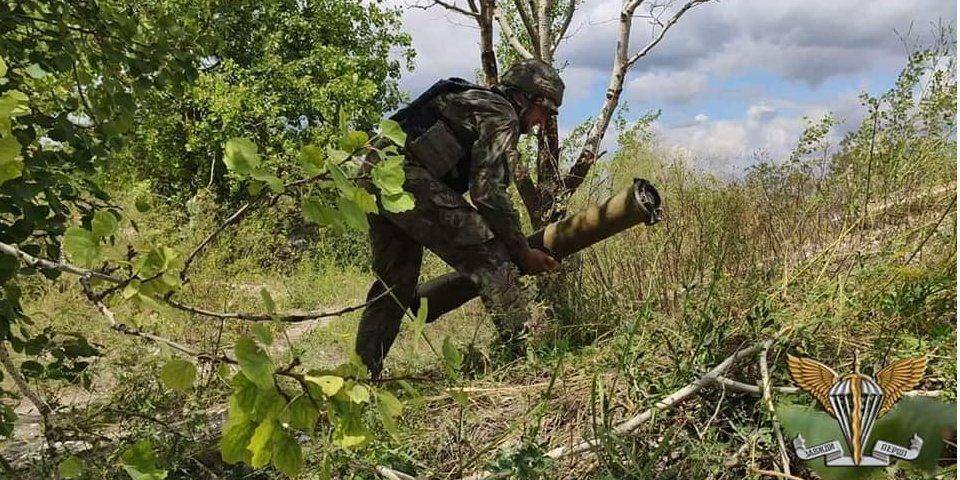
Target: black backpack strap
(417,117)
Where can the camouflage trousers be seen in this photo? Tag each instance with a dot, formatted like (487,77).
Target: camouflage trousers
(445,223)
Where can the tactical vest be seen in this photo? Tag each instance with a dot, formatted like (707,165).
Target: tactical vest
(445,147)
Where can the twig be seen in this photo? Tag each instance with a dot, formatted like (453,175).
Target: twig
(234,218)
(35,262)
(281,317)
(22,384)
(136,332)
(768,402)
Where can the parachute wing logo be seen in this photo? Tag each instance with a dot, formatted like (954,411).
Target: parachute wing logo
(856,401)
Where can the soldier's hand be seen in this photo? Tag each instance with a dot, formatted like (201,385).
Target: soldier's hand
(534,261)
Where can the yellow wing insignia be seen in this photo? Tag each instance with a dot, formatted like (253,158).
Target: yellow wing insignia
(899,377)
(813,377)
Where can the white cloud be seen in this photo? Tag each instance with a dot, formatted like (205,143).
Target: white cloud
(728,146)
(761,112)
(677,87)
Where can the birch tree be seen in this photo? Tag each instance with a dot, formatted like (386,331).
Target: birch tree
(537,29)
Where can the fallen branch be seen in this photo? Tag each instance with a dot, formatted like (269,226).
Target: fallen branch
(636,421)
(392,474)
(741,387)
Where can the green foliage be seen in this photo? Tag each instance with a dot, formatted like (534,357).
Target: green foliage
(70,467)
(140,462)
(262,424)
(178,374)
(282,83)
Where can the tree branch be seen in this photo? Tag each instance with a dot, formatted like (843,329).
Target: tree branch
(488,56)
(449,6)
(543,26)
(510,35)
(281,317)
(232,219)
(588,154)
(768,402)
(663,31)
(568,17)
(35,262)
(529,26)
(18,379)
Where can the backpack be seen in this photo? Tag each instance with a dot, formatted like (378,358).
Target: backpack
(445,153)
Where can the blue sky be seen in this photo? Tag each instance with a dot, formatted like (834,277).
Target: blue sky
(733,77)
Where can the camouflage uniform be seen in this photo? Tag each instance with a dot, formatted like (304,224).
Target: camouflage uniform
(479,242)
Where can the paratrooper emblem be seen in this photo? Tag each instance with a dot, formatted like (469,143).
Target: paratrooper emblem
(857,401)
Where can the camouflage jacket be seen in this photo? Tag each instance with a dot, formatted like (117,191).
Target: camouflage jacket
(490,121)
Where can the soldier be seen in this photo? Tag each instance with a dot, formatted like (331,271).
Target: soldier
(461,138)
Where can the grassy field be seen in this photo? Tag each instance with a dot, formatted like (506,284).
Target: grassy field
(841,248)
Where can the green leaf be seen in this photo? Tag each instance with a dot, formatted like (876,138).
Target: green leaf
(104,224)
(400,202)
(35,72)
(142,204)
(254,363)
(391,129)
(353,216)
(263,334)
(287,455)
(388,175)
(71,467)
(268,302)
(365,200)
(81,245)
(303,414)
(389,404)
(312,160)
(353,141)
(359,394)
(11,165)
(388,422)
(13,103)
(329,384)
(451,354)
(274,183)
(317,212)
(261,443)
(233,443)
(340,179)
(336,157)
(178,374)
(240,155)
(140,462)
(3,67)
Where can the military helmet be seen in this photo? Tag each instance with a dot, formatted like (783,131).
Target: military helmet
(537,79)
